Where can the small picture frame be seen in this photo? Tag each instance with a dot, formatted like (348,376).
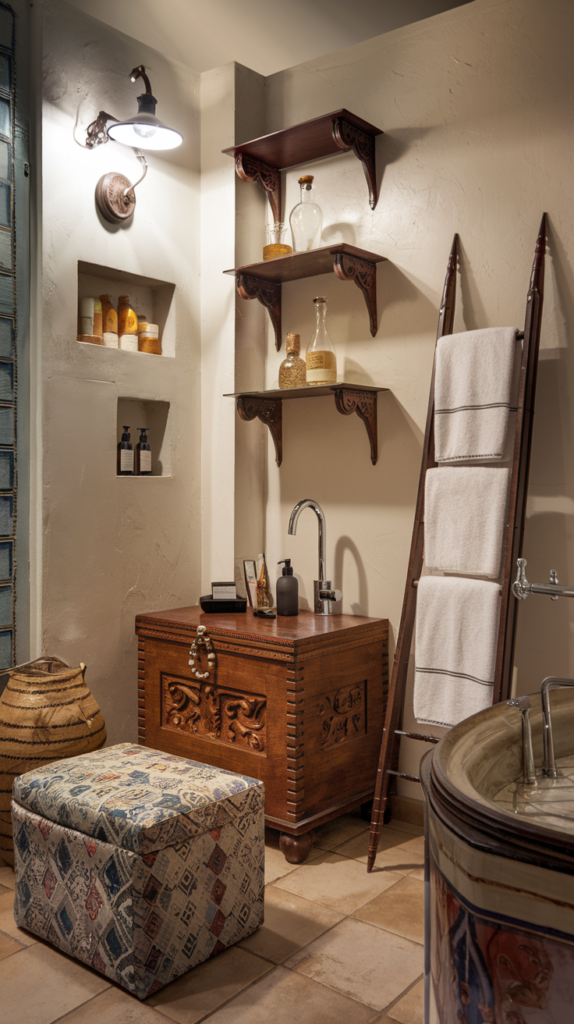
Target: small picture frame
(250,573)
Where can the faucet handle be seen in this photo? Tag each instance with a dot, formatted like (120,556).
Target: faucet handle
(555,581)
(330,595)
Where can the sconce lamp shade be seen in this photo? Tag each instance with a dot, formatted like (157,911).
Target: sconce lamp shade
(145,130)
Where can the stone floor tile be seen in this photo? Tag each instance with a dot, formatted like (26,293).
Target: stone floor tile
(7,877)
(397,851)
(114,1006)
(336,882)
(409,1009)
(8,946)
(4,888)
(399,909)
(418,873)
(286,997)
(7,922)
(407,826)
(275,865)
(362,962)
(208,986)
(290,923)
(338,831)
(39,985)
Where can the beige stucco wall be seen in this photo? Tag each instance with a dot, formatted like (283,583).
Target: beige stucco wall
(476,105)
(110,547)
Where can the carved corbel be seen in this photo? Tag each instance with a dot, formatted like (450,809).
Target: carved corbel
(348,136)
(364,403)
(269,295)
(269,411)
(364,274)
(249,168)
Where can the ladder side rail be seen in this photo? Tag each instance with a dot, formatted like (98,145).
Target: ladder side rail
(390,746)
(516,514)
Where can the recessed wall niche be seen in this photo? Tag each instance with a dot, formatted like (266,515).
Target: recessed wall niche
(140,412)
(149,297)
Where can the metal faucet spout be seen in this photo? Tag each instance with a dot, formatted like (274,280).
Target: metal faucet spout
(311,503)
(550,683)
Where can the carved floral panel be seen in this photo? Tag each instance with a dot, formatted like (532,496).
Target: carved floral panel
(343,714)
(204,709)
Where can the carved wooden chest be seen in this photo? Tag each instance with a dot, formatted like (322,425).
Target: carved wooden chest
(297,702)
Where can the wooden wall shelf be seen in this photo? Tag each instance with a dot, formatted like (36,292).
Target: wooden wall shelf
(263,280)
(349,398)
(262,159)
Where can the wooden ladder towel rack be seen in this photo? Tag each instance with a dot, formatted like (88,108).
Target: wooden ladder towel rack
(514,532)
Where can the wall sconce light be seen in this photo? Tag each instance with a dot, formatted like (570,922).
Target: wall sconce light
(115,196)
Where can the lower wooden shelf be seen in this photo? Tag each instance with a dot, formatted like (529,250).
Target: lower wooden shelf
(267,406)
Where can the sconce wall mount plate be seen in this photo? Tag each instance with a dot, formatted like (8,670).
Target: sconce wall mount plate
(115,197)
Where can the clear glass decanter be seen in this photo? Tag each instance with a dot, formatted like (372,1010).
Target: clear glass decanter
(320,358)
(306,219)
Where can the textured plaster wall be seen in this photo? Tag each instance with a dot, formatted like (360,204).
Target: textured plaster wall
(111,547)
(476,105)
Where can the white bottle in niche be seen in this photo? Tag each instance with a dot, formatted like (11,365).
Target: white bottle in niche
(306,219)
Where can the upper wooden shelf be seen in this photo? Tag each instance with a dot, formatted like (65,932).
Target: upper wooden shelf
(263,280)
(349,398)
(261,159)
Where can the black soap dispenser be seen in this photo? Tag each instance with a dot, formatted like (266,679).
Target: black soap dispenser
(287,590)
(125,455)
(143,454)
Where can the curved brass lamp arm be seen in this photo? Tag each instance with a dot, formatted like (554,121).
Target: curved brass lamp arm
(139,72)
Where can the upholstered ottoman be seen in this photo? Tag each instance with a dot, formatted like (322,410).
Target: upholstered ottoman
(140,864)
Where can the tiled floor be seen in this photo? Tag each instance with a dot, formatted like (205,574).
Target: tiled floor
(338,946)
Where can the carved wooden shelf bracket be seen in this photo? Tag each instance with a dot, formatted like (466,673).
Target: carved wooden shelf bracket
(249,168)
(364,403)
(269,295)
(270,412)
(364,274)
(348,136)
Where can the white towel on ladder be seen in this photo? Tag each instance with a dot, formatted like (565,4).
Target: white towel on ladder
(465,510)
(455,649)
(475,377)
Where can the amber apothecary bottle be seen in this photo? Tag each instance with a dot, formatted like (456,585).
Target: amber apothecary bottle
(292,370)
(320,359)
(109,322)
(125,455)
(127,325)
(306,218)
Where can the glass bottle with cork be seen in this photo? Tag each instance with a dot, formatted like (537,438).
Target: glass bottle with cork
(292,370)
(306,218)
(320,358)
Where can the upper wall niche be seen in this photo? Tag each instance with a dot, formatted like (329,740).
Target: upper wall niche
(149,297)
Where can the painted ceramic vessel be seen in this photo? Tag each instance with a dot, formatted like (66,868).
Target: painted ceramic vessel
(500,875)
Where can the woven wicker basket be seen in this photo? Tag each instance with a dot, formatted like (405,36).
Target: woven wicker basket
(46,712)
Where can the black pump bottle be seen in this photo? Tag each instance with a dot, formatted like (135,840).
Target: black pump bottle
(287,590)
(125,455)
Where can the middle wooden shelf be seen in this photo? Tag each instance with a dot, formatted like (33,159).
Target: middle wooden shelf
(263,280)
(349,398)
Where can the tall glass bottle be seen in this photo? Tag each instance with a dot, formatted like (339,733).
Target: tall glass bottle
(306,219)
(320,358)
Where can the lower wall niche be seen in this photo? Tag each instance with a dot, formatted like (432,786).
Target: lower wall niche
(141,412)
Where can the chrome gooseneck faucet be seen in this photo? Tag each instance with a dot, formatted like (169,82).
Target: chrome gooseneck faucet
(322,590)
(550,683)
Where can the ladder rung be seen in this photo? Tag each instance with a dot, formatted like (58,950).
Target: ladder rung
(417,736)
(403,775)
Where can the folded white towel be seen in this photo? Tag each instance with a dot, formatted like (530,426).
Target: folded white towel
(465,510)
(455,651)
(474,378)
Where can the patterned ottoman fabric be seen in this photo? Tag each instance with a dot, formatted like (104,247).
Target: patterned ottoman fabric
(153,875)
